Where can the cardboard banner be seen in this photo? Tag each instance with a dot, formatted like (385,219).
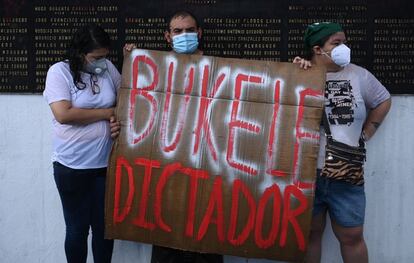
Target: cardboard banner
(215,154)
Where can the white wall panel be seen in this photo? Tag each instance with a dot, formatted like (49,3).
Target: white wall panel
(31,220)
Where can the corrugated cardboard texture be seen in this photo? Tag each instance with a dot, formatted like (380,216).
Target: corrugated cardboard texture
(215,155)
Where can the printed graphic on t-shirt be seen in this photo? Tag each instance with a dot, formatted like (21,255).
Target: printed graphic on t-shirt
(339,102)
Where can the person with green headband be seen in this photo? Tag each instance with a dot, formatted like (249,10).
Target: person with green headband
(355,105)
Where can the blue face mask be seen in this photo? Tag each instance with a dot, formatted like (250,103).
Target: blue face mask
(96,67)
(185,43)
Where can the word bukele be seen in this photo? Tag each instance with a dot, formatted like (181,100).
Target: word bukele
(215,155)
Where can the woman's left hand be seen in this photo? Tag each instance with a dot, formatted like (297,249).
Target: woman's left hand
(115,127)
(128,48)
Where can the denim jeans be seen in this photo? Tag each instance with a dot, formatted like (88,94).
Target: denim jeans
(82,192)
(344,201)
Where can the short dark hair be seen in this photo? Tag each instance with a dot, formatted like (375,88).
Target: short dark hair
(308,54)
(85,40)
(183,14)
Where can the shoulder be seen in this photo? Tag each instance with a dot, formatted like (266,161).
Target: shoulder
(60,67)
(58,83)
(114,73)
(372,90)
(111,65)
(356,69)
(59,75)
(360,70)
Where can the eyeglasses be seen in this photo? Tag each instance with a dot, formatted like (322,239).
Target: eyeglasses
(94,84)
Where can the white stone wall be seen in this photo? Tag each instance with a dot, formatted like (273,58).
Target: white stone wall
(31,219)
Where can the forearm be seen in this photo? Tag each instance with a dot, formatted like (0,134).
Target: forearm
(86,116)
(375,118)
(66,114)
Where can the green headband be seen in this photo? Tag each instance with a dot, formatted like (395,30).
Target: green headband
(318,31)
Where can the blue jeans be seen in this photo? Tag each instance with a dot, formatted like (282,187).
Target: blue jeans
(344,201)
(82,192)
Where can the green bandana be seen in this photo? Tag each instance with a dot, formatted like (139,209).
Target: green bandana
(317,31)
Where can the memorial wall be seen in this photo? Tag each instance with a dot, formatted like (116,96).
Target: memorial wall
(34,34)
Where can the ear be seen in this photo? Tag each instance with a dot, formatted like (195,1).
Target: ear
(167,37)
(317,50)
(83,58)
(199,32)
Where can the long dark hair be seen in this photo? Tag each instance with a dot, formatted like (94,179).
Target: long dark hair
(85,40)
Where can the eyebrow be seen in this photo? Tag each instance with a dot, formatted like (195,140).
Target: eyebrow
(100,56)
(338,40)
(183,28)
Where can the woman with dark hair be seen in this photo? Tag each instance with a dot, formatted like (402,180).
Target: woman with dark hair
(355,105)
(81,92)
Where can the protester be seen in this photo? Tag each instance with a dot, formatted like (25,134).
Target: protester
(355,105)
(184,33)
(81,91)
(183,36)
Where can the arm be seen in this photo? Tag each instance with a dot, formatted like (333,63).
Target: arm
(113,123)
(375,118)
(65,113)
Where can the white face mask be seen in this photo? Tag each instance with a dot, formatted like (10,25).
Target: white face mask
(340,55)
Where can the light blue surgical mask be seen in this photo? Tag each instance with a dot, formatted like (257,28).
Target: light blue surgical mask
(185,43)
(97,67)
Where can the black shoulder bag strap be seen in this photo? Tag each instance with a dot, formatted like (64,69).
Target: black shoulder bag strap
(325,123)
(328,129)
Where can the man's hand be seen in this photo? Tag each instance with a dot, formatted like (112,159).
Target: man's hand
(303,63)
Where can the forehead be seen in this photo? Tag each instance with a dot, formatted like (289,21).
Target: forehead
(183,22)
(99,52)
(338,36)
